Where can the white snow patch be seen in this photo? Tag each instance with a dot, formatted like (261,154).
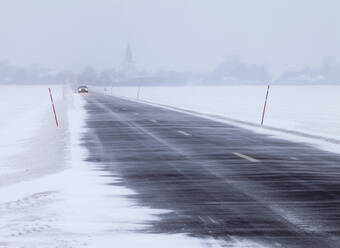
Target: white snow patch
(24,111)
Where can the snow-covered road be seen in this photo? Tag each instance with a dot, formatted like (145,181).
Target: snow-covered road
(218,180)
(65,187)
(51,196)
(311,110)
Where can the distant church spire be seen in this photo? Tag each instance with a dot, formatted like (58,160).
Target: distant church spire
(128,55)
(129,68)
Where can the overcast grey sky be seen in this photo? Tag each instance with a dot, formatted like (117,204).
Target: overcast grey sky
(169,34)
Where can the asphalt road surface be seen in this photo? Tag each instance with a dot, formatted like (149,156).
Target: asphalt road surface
(219,180)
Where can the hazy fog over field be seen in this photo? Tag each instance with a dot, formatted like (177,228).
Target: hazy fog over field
(190,35)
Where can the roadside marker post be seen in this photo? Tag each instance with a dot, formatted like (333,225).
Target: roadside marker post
(138,92)
(265,105)
(55,114)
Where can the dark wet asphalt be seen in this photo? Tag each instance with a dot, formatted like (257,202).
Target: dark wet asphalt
(219,180)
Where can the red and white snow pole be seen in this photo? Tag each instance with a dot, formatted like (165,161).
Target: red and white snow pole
(265,105)
(55,114)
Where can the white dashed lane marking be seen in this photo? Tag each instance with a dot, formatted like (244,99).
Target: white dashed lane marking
(212,220)
(184,133)
(246,157)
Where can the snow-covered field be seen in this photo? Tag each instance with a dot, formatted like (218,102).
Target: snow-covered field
(312,110)
(27,130)
(51,197)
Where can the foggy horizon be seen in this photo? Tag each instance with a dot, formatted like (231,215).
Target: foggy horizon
(171,35)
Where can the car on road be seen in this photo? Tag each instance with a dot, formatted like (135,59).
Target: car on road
(83,89)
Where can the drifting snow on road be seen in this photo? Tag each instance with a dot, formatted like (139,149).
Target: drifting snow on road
(126,174)
(218,179)
(66,201)
(309,112)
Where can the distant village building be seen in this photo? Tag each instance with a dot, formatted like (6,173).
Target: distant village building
(129,68)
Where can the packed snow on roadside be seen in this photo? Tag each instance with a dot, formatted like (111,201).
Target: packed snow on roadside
(26,127)
(60,200)
(312,109)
